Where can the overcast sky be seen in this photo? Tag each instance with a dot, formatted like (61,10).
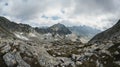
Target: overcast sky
(99,14)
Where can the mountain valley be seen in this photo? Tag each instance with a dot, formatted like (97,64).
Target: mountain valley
(22,45)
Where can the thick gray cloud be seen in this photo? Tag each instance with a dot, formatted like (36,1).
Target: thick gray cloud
(24,9)
(95,13)
(97,6)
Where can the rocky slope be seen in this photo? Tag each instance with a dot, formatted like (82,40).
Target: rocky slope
(111,34)
(106,46)
(4,32)
(14,30)
(17,53)
(12,26)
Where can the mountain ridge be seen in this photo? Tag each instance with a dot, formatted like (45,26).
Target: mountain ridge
(111,34)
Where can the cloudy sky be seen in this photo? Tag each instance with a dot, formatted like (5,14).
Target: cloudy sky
(99,14)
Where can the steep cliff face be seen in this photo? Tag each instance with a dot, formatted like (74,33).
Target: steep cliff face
(111,34)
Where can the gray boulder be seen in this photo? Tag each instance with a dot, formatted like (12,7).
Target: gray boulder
(10,59)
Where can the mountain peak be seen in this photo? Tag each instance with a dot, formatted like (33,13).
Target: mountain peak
(54,29)
(60,29)
(58,25)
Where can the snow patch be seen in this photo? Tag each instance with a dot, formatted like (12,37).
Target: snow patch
(32,35)
(21,36)
(73,37)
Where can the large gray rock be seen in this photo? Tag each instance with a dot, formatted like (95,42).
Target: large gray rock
(10,59)
(14,59)
(20,61)
(44,58)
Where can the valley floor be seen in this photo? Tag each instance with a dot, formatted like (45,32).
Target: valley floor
(61,53)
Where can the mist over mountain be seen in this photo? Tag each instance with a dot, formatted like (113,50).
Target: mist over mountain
(84,31)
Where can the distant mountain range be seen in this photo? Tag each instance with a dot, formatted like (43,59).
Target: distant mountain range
(84,31)
(9,28)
